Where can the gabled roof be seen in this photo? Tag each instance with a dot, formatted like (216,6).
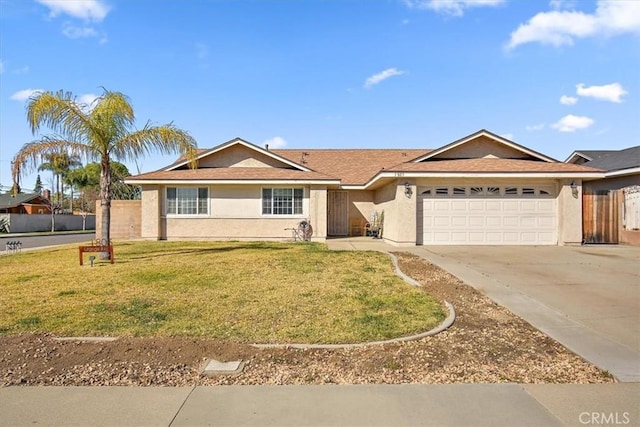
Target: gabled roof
(586,155)
(613,161)
(8,200)
(479,154)
(351,166)
(236,141)
(485,133)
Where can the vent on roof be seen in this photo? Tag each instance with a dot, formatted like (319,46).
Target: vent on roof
(303,157)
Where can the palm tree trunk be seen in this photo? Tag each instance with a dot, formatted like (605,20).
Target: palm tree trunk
(105,202)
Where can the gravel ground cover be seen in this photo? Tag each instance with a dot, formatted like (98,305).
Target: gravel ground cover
(486,344)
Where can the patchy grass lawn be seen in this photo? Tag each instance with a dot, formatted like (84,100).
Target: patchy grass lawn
(248,292)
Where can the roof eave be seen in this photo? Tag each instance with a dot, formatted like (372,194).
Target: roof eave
(231,181)
(622,172)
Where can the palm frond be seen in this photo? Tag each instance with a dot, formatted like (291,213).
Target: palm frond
(111,119)
(40,151)
(59,111)
(165,139)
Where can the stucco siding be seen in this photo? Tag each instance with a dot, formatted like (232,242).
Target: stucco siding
(570,212)
(614,183)
(151,208)
(481,147)
(235,212)
(240,156)
(230,228)
(361,205)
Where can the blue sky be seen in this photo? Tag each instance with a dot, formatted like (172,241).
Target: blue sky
(554,76)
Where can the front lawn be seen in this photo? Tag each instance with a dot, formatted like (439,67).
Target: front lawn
(248,292)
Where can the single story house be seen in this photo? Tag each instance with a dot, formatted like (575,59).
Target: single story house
(482,189)
(24,203)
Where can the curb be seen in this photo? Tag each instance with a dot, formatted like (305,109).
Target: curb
(446,323)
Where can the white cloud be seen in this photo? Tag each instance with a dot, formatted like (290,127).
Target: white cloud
(508,136)
(562,27)
(23,95)
(275,143)
(612,92)
(562,4)
(451,7)
(533,128)
(568,100)
(73,32)
(89,10)
(571,123)
(381,76)
(87,100)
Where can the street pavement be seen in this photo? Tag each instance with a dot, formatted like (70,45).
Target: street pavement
(328,405)
(41,241)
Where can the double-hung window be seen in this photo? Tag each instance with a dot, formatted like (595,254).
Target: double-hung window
(187,201)
(282,201)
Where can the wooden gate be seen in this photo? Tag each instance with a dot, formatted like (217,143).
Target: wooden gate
(600,216)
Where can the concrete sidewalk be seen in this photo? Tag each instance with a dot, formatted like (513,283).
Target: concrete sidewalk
(587,298)
(353,405)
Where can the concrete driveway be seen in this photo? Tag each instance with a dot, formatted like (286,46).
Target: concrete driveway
(586,297)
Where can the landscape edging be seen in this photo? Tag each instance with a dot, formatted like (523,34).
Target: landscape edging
(446,323)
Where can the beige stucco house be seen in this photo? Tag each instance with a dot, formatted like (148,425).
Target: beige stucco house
(482,190)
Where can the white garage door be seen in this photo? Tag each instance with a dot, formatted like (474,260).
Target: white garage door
(490,215)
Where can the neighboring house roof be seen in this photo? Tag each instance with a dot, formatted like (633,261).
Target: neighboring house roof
(351,166)
(583,156)
(613,162)
(8,201)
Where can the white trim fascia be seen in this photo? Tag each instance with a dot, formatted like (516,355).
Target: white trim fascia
(623,172)
(515,175)
(228,181)
(246,144)
(577,154)
(490,135)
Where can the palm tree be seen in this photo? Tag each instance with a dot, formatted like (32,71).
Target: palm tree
(102,131)
(60,164)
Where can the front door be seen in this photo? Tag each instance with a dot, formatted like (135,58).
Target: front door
(337,213)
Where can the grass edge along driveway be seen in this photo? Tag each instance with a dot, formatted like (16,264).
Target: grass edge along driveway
(260,292)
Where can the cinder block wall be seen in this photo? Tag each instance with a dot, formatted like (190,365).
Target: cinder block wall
(126,219)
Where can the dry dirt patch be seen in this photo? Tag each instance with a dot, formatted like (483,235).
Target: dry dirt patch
(486,344)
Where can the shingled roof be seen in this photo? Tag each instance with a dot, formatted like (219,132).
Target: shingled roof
(351,166)
(610,161)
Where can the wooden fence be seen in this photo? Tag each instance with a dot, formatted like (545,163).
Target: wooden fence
(600,215)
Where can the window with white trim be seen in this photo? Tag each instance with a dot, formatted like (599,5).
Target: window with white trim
(187,201)
(282,201)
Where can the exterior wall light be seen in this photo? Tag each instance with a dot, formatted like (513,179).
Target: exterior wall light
(407,190)
(574,189)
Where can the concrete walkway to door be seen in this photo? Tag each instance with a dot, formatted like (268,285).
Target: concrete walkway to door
(586,297)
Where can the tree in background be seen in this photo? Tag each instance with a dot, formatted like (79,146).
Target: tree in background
(38,188)
(103,131)
(87,181)
(60,163)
